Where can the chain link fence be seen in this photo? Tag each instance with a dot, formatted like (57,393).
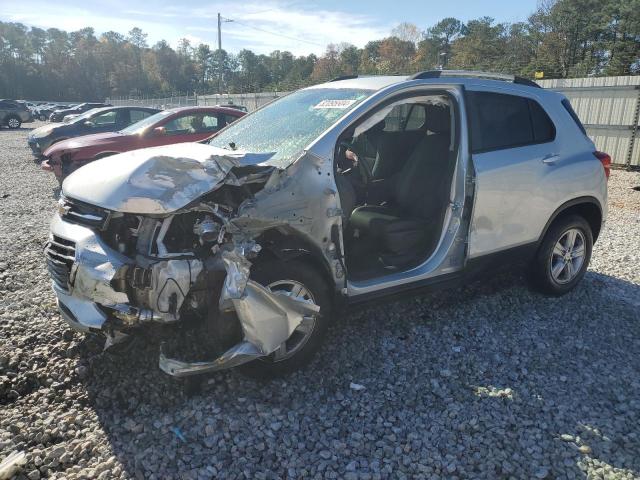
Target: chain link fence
(251,101)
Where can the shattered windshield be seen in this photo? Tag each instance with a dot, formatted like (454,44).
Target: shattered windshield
(284,128)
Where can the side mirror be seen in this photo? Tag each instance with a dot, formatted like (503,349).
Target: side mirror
(158,131)
(89,123)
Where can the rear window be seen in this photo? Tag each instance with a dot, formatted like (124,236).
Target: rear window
(506,121)
(567,105)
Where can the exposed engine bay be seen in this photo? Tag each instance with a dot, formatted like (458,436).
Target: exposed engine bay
(186,259)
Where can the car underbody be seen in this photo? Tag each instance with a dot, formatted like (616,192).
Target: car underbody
(188,256)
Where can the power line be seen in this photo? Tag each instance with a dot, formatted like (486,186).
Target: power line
(275,33)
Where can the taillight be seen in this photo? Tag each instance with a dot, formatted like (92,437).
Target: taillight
(605,160)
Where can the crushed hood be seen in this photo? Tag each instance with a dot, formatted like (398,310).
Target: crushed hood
(156,180)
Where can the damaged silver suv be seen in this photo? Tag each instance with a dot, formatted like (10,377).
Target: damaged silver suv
(335,194)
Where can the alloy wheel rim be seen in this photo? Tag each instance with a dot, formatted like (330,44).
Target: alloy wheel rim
(567,257)
(13,123)
(302,333)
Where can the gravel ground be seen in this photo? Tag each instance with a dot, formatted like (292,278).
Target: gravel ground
(487,381)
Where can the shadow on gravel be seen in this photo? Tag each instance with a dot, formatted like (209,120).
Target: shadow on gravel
(487,379)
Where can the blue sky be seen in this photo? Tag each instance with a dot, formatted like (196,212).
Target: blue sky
(301,27)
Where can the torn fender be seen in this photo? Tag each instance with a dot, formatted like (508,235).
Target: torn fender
(268,319)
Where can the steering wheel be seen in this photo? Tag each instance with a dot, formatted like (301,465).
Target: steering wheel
(363,166)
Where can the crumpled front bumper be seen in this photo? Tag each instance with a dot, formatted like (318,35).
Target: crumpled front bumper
(82,268)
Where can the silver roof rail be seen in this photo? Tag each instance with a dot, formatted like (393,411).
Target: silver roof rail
(474,74)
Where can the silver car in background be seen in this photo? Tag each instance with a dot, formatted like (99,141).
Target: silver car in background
(340,193)
(14,113)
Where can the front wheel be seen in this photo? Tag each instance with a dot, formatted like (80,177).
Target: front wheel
(13,122)
(302,281)
(563,256)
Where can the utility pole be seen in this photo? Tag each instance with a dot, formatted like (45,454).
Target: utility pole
(219,53)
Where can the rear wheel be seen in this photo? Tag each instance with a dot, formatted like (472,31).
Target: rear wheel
(301,281)
(13,122)
(563,256)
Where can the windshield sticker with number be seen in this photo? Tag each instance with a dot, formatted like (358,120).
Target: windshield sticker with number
(335,104)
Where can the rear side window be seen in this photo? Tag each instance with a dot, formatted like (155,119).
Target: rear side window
(137,115)
(227,119)
(567,105)
(506,121)
(543,129)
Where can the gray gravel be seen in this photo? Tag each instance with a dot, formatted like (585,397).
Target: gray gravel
(488,381)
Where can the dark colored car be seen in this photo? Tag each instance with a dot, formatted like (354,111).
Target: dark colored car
(233,105)
(59,115)
(176,125)
(14,113)
(97,120)
(44,111)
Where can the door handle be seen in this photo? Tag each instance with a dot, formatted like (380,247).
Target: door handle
(550,158)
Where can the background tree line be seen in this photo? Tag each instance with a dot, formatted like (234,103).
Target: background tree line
(562,38)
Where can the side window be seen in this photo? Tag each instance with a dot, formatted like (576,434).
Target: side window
(417,117)
(137,115)
(505,121)
(179,125)
(498,121)
(200,123)
(227,119)
(567,105)
(543,129)
(394,121)
(107,118)
(209,124)
(7,106)
(405,117)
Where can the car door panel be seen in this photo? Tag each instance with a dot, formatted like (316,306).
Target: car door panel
(510,206)
(513,158)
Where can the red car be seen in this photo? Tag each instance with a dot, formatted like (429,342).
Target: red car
(176,125)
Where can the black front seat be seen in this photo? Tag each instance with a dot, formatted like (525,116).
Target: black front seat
(410,221)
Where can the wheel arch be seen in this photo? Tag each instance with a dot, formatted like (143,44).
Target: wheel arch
(285,243)
(587,207)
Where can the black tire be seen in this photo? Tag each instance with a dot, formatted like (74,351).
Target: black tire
(13,122)
(276,270)
(540,272)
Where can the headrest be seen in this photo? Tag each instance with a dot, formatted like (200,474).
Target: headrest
(438,119)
